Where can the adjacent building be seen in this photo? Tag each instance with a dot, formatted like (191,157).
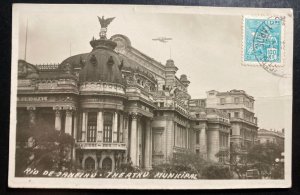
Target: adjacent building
(271,136)
(239,107)
(122,106)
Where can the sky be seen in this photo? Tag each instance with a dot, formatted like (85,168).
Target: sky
(205,47)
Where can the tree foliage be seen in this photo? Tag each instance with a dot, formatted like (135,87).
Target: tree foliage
(263,156)
(194,163)
(238,163)
(217,171)
(42,147)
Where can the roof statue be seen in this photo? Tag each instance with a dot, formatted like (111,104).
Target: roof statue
(104,23)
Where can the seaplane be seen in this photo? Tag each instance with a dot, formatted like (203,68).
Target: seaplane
(162,39)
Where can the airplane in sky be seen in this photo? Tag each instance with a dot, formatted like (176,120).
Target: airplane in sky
(162,39)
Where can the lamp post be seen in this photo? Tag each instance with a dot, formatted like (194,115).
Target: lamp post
(278,171)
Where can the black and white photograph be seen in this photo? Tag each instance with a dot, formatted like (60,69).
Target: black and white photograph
(150,97)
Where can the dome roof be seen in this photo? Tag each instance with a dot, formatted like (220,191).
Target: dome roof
(183,77)
(170,62)
(102,64)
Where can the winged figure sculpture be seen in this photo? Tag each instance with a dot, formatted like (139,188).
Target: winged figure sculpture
(105,22)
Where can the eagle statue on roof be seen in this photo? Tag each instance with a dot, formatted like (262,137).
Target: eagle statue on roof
(105,22)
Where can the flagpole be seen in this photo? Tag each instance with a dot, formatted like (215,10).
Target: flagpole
(170,52)
(70,48)
(166,41)
(25,54)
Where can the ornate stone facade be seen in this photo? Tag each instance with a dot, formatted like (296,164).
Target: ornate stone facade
(121,106)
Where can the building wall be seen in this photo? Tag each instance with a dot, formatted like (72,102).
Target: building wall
(152,93)
(213,145)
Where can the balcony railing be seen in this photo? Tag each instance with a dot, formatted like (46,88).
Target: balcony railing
(254,122)
(180,150)
(104,87)
(101,145)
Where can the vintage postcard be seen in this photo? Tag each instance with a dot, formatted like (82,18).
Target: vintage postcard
(150,97)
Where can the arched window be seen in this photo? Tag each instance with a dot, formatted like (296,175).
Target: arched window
(89,164)
(107,164)
(107,127)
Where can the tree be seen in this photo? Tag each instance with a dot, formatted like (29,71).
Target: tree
(189,161)
(238,164)
(42,147)
(217,171)
(183,162)
(263,157)
(194,163)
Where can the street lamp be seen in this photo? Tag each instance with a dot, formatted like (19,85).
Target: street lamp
(279,165)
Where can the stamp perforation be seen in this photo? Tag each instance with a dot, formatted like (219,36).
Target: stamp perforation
(282,46)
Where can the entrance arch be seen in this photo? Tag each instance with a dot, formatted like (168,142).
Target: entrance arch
(89,164)
(107,164)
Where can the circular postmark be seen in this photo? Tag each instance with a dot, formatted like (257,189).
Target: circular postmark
(268,46)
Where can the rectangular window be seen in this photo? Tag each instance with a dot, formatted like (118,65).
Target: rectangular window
(177,135)
(157,142)
(161,104)
(247,104)
(236,114)
(222,100)
(92,127)
(119,137)
(236,100)
(107,127)
(220,140)
(184,138)
(197,137)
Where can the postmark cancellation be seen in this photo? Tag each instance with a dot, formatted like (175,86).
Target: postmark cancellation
(263,41)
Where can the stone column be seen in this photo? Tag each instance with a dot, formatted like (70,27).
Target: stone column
(121,140)
(148,140)
(75,126)
(151,141)
(99,126)
(75,138)
(213,144)
(228,146)
(139,142)
(84,126)
(115,127)
(32,116)
(68,122)
(125,135)
(187,138)
(57,120)
(228,139)
(203,142)
(133,140)
(175,134)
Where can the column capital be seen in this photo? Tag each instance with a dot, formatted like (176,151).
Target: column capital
(149,119)
(61,107)
(69,112)
(57,113)
(57,107)
(31,108)
(134,115)
(70,108)
(125,115)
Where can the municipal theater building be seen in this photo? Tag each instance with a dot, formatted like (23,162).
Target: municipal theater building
(122,106)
